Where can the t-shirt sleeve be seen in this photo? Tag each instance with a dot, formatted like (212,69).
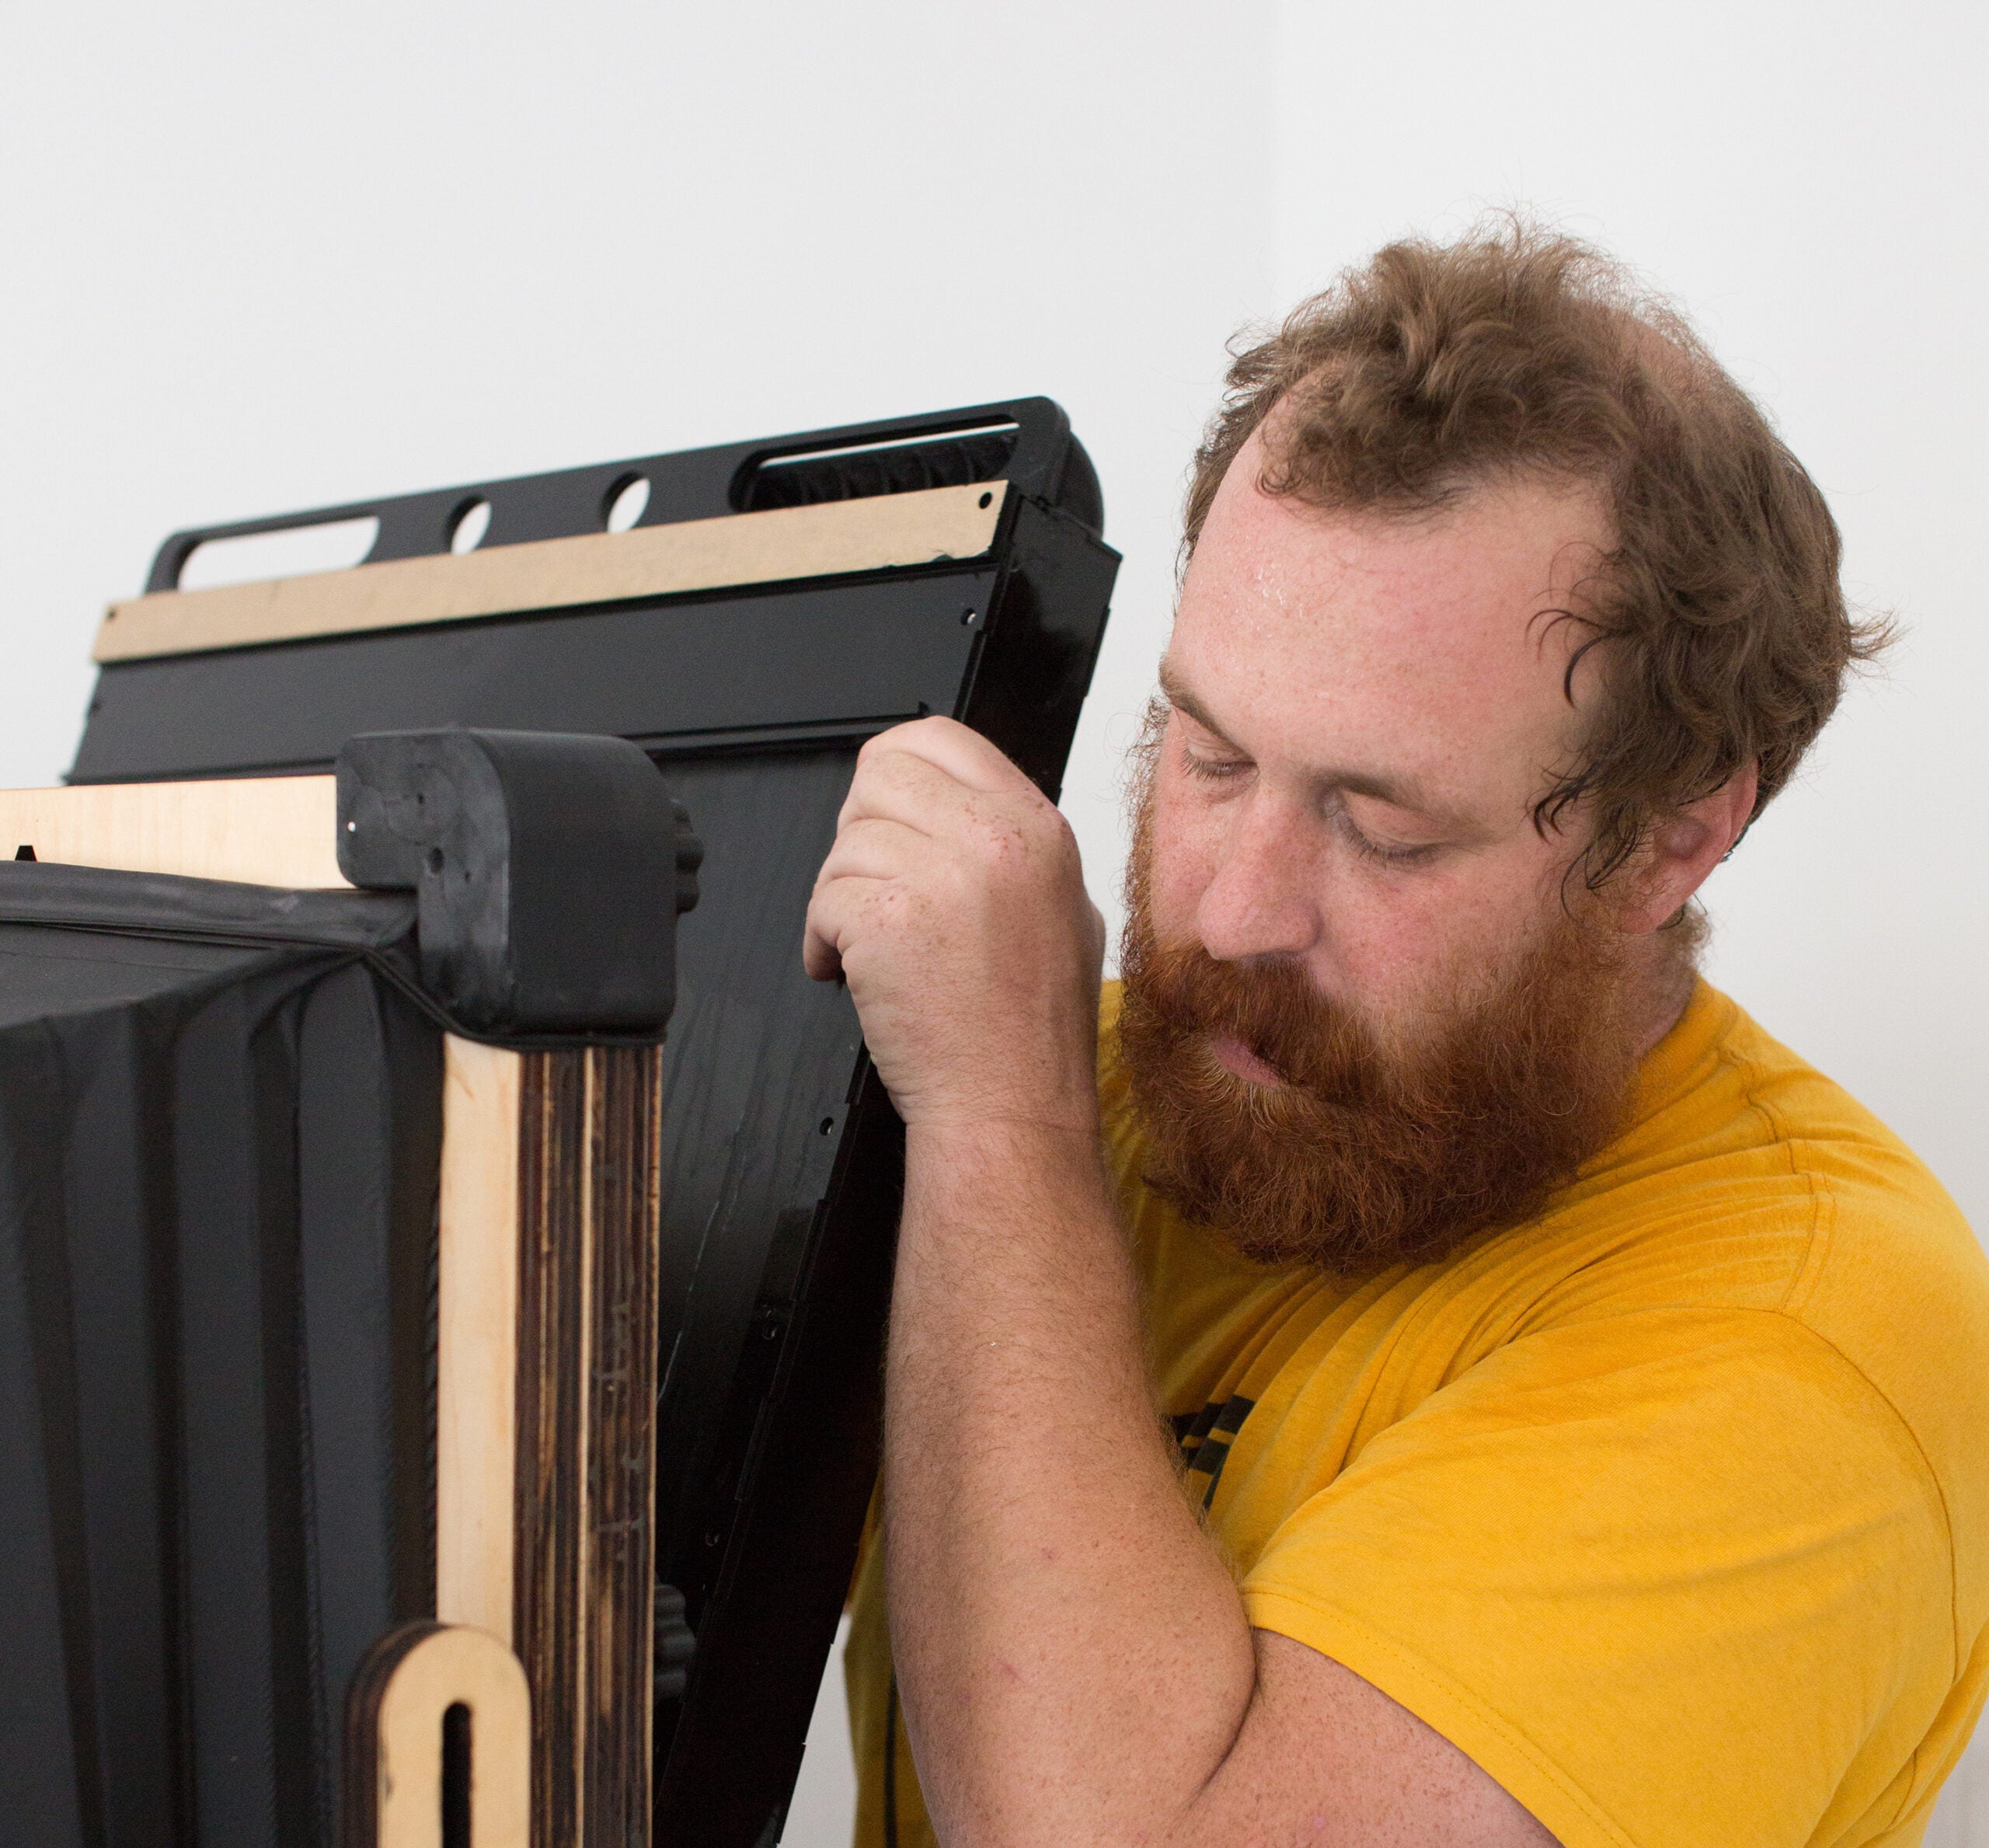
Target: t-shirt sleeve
(1661,1576)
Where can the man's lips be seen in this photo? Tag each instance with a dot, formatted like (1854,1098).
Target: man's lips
(1234,1055)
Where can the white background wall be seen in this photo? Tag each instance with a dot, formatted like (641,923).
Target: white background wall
(259,258)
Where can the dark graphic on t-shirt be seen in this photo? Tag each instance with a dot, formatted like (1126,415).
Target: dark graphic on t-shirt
(1205,1437)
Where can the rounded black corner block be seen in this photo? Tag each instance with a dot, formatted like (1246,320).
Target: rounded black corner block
(549,869)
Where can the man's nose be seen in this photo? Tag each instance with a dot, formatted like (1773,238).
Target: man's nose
(1261,900)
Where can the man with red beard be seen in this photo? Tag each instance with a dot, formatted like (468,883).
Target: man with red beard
(1579,1406)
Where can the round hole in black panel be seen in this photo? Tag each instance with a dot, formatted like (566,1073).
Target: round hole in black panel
(626,502)
(469,524)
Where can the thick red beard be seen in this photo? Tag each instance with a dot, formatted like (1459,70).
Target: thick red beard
(1368,1155)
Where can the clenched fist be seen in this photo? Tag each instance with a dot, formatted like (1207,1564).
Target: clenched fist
(953,904)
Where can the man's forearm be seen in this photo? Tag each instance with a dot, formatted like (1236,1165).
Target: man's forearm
(1074,1662)
(1073,1657)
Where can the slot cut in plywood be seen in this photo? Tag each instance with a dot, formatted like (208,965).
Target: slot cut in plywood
(397,1792)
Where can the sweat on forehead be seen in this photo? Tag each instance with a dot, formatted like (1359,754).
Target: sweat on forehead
(1439,641)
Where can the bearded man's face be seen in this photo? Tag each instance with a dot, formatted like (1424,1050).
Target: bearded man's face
(1368,1012)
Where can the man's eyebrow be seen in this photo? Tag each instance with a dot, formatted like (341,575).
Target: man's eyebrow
(1177,694)
(1394,791)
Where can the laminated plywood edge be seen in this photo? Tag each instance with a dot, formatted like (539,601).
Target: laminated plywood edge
(776,545)
(583,1615)
(280,831)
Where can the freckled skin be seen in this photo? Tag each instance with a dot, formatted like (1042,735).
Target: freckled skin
(1109,1689)
(1401,648)
(1424,652)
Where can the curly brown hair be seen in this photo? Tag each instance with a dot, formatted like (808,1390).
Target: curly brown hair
(1433,368)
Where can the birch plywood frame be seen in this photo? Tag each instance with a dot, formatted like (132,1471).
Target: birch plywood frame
(261,830)
(546,1311)
(396,1779)
(778,545)
(476,1336)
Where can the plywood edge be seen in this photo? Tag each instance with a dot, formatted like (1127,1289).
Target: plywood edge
(776,545)
(278,831)
(400,1716)
(476,1336)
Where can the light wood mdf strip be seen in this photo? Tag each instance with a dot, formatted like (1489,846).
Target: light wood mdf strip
(476,1336)
(263,830)
(773,546)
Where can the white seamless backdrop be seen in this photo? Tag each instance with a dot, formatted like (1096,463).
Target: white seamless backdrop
(261,258)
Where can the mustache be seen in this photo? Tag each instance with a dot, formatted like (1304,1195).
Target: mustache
(1370,1152)
(1328,1057)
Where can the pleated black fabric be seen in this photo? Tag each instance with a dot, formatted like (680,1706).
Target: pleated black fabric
(220,1136)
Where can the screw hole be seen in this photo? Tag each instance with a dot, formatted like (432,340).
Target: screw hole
(626,502)
(827,1124)
(966,618)
(471,522)
(434,860)
(987,498)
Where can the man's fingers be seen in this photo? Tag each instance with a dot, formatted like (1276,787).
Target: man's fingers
(833,913)
(820,958)
(900,785)
(927,798)
(957,750)
(873,847)
(870,861)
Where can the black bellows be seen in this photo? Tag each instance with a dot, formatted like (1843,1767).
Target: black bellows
(217,1178)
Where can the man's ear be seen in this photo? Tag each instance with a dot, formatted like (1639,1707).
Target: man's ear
(1684,847)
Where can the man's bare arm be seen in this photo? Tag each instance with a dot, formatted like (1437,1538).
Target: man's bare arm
(1074,1658)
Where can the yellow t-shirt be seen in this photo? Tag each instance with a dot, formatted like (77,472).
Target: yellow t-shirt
(1671,1510)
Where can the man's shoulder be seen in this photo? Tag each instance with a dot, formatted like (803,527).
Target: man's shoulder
(1747,1180)
(1755,1182)
(1885,1247)
(1732,1132)
(1893,1279)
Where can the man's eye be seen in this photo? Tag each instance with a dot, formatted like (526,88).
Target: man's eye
(1382,853)
(1213,770)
